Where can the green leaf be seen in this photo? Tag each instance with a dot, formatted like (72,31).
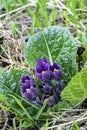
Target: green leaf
(84,55)
(22,107)
(4,107)
(10,85)
(54,15)
(46,125)
(3,99)
(6,104)
(56,44)
(76,90)
(11,79)
(76,126)
(32,25)
(41,110)
(27,124)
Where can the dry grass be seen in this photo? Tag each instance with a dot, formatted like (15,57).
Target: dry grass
(70,119)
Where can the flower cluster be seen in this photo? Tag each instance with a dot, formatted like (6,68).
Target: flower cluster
(50,87)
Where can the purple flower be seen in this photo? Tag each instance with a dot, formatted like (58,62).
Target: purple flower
(29,93)
(46,89)
(43,61)
(57,96)
(56,71)
(27,81)
(42,69)
(51,102)
(61,85)
(51,84)
(28,89)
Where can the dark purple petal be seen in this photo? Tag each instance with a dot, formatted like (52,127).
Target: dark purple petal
(51,68)
(46,89)
(56,71)
(57,74)
(57,92)
(45,67)
(46,61)
(44,75)
(42,69)
(27,81)
(24,87)
(25,78)
(42,61)
(56,66)
(57,97)
(30,94)
(61,85)
(51,102)
(39,69)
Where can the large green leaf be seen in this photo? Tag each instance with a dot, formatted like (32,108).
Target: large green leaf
(10,81)
(76,90)
(10,85)
(56,44)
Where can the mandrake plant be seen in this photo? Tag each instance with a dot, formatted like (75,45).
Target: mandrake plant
(50,86)
(54,85)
